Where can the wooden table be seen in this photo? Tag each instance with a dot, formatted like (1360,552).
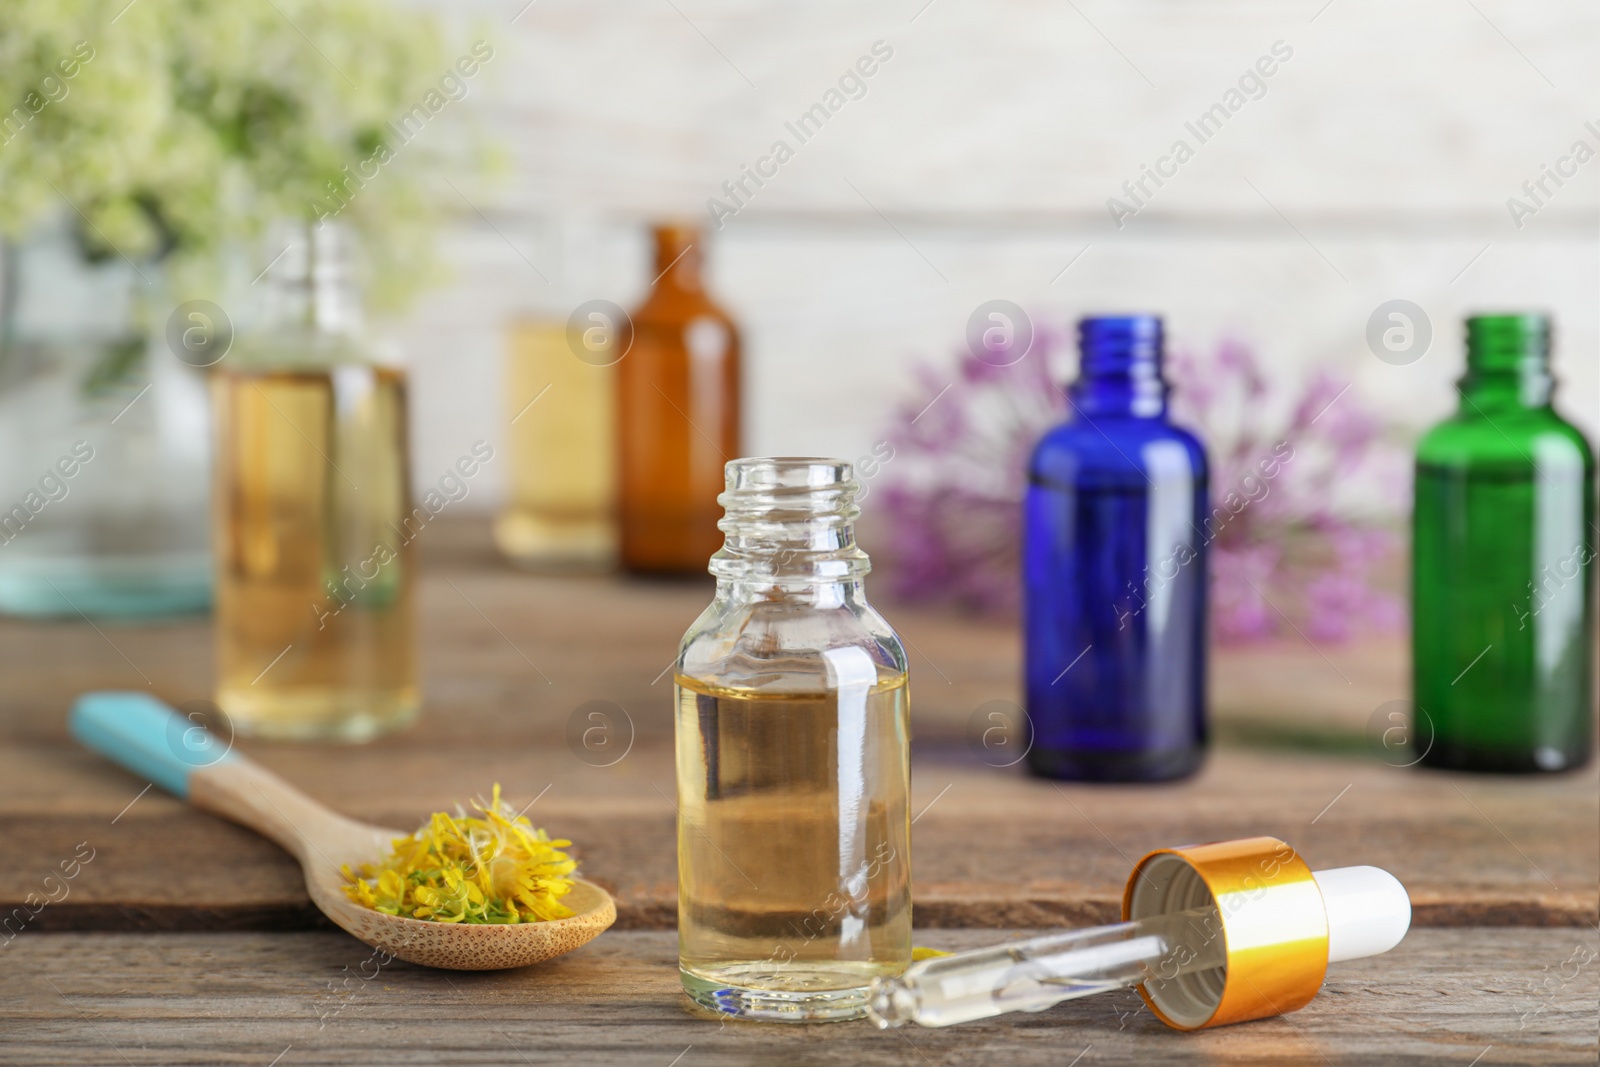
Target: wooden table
(187,940)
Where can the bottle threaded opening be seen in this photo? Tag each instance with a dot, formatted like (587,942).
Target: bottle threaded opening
(1507,342)
(1110,344)
(789,517)
(1119,363)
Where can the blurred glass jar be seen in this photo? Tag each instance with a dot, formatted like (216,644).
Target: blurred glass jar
(560,402)
(103,439)
(314,522)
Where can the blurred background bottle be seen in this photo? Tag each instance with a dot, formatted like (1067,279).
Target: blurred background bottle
(561,418)
(312,513)
(677,415)
(1503,632)
(1114,570)
(104,432)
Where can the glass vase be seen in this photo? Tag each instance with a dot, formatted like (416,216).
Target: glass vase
(104,455)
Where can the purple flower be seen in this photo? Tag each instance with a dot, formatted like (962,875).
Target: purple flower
(1296,556)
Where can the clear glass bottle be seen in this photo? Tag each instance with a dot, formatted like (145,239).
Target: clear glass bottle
(1114,569)
(793,751)
(1503,543)
(560,405)
(313,520)
(677,414)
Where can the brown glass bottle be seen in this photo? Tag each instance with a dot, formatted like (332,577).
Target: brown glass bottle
(677,415)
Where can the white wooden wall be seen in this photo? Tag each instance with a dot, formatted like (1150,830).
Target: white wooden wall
(978,164)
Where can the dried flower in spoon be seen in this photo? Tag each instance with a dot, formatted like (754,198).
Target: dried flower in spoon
(495,867)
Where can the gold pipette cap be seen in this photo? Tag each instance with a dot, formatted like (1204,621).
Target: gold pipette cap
(1281,924)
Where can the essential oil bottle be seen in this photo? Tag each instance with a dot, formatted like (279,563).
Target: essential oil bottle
(677,414)
(1503,612)
(312,512)
(560,411)
(1114,571)
(793,751)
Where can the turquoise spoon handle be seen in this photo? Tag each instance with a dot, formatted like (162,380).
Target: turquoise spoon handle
(143,735)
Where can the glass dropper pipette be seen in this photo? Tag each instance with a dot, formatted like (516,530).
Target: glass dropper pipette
(1032,975)
(1249,912)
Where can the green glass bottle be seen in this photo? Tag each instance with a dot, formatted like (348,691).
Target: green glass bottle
(1503,626)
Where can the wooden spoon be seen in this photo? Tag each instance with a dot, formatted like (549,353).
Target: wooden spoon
(150,739)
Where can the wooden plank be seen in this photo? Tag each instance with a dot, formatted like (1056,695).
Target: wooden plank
(993,847)
(1443,997)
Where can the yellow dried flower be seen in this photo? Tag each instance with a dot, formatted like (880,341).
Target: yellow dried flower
(496,867)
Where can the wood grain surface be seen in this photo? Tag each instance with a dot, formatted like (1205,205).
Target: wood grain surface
(514,665)
(1456,997)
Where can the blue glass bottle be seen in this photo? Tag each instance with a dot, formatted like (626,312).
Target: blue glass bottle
(1114,568)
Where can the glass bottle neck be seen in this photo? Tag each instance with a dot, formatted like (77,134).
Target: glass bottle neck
(1508,364)
(1119,369)
(789,532)
(311,286)
(677,258)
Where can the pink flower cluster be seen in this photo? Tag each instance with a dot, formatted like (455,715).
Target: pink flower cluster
(1309,552)
(1313,549)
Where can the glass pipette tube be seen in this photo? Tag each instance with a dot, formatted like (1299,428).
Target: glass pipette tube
(1033,975)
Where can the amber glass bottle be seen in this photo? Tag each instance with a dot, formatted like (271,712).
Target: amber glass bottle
(677,415)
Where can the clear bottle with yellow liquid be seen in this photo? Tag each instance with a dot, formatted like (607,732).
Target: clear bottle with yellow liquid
(560,401)
(793,760)
(312,515)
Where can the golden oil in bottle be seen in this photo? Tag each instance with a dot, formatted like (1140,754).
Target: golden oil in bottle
(792,838)
(312,517)
(315,573)
(560,412)
(793,760)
